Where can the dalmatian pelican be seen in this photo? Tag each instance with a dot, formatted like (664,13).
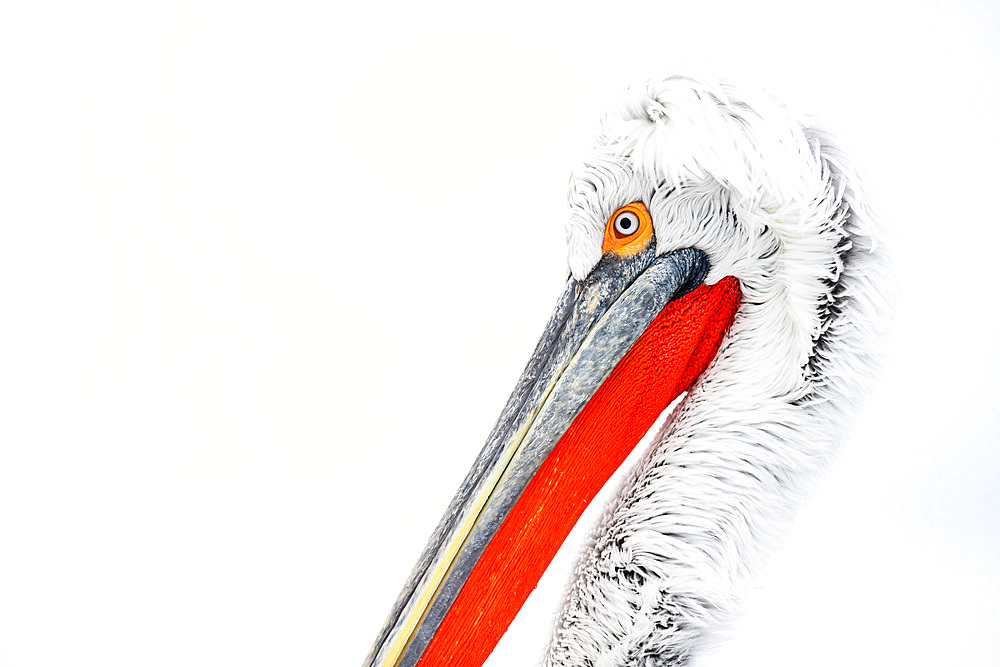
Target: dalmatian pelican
(719,246)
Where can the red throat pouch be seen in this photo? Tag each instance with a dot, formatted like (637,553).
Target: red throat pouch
(666,359)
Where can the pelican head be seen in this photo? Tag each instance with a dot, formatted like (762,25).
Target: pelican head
(718,246)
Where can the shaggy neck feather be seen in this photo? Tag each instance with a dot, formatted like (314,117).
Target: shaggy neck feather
(671,558)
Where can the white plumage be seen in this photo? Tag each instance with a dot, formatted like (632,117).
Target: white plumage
(771,200)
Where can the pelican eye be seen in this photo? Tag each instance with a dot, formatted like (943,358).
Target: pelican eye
(626,223)
(629,230)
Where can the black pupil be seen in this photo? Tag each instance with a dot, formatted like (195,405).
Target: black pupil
(625,223)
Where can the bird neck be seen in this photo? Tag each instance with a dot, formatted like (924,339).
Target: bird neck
(674,552)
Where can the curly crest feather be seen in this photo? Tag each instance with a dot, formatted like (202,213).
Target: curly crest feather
(771,200)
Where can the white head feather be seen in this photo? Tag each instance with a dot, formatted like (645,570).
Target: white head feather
(771,201)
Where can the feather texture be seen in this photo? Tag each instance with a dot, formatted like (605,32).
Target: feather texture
(772,201)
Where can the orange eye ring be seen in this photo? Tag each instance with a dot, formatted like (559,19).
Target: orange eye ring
(628,231)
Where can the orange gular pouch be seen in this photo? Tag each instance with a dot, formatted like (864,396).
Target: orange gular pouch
(621,345)
(671,352)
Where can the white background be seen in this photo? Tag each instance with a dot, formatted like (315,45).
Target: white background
(268,273)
